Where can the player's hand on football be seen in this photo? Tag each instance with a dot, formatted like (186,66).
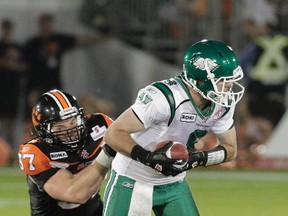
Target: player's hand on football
(158,160)
(167,166)
(196,158)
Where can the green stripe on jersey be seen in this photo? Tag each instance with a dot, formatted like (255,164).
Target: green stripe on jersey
(169,96)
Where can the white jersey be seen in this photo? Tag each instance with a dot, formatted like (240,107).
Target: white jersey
(168,112)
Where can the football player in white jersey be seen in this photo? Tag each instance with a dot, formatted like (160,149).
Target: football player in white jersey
(184,109)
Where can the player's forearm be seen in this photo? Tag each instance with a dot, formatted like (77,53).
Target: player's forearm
(87,183)
(78,188)
(229,141)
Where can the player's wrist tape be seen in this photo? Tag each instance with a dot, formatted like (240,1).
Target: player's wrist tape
(139,154)
(215,156)
(108,150)
(104,159)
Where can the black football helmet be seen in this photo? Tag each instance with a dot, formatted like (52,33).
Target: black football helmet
(55,106)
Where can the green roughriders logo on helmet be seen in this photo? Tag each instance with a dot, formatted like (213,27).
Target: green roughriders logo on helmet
(204,64)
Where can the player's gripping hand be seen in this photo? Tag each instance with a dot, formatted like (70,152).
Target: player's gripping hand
(196,158)
(158,160)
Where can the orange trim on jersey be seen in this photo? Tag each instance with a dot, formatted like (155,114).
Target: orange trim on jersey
(61,99)
(108,120)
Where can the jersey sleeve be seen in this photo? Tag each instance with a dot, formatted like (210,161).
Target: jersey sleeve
(32,160)
(225,122)
(35,164)
(151,106)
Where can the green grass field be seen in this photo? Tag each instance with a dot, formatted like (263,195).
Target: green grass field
(217,192)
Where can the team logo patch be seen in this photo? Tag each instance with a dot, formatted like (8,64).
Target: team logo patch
(36,117)
(144,97)
(188,117)
(200,64)
(58,155)
(84,154)
(97,132)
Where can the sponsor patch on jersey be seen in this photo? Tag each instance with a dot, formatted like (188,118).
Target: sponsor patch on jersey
(58,155)
(188,117)
(97,132)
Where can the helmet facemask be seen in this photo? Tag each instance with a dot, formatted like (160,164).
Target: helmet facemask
(215,89)
(70,138)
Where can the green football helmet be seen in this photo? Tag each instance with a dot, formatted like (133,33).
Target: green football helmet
(208,68)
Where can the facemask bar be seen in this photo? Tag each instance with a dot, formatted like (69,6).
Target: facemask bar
(71,135)
(70,138)
(221,95)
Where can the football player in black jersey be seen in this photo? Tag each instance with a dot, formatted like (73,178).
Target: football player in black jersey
(67,160)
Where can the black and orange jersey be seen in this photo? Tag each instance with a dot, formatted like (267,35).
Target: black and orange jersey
(40,160)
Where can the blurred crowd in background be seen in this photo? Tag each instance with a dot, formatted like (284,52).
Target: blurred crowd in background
(256,30)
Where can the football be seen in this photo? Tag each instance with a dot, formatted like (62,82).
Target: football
(176,151)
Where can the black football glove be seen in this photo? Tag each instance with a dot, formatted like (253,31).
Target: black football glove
(157,160)
(196,158)
(206,158)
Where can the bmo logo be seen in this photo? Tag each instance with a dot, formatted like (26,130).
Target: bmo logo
(188,117)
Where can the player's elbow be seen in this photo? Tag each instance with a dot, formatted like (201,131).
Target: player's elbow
(232,154)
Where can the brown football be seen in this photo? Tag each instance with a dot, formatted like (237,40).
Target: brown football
(176,151)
